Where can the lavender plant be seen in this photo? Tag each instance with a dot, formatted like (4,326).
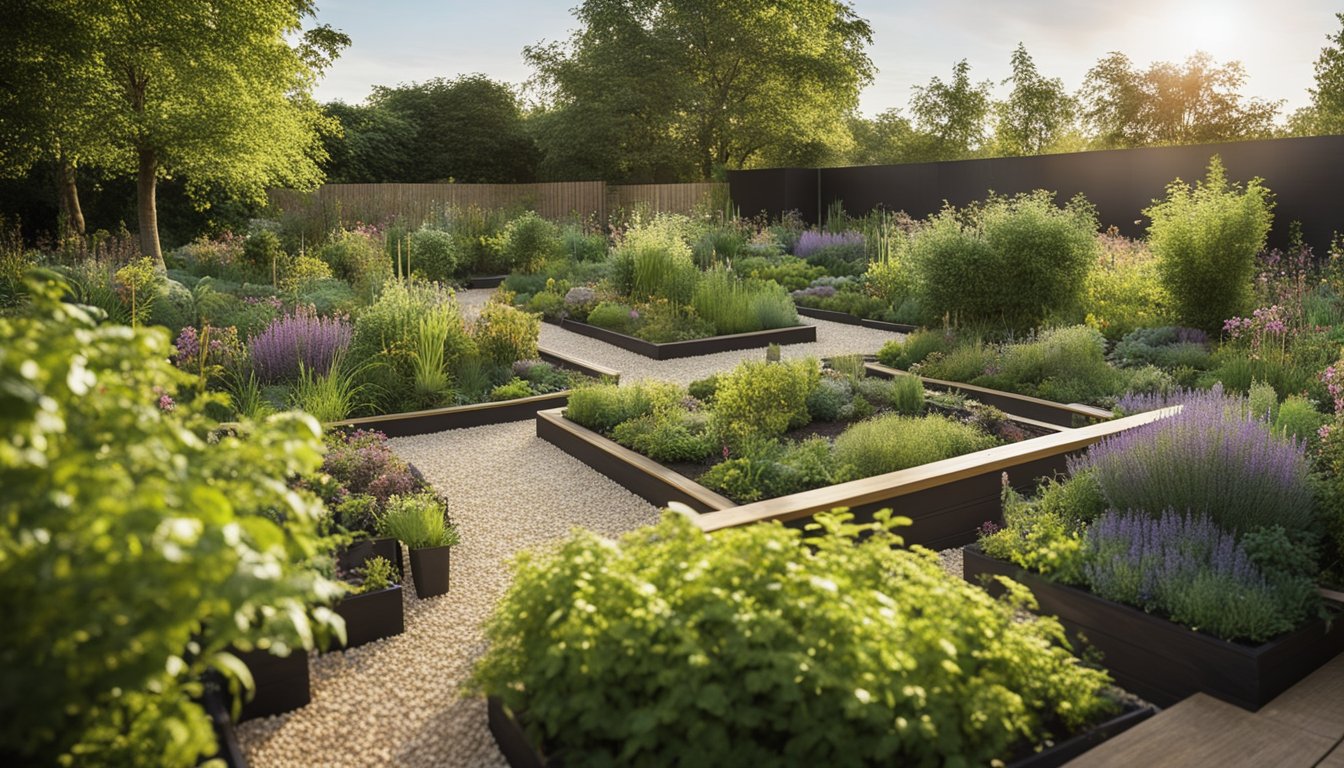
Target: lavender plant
(1186,567)
(1213,457)
(300,339)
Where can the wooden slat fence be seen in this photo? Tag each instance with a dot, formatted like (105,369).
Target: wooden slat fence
(345,204)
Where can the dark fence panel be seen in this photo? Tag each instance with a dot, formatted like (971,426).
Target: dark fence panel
(1304,174)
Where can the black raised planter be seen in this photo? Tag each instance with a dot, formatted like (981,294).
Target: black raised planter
(798,334)
(281,682)
(1162,661)
(485,281)
(216,707)
(457,417)
(352,558)
(429,570)
(520,753)
(372,616)
(848,319)
(1025,406)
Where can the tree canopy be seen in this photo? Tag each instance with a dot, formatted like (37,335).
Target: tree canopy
(662,89)
(1037,114)
(952,116)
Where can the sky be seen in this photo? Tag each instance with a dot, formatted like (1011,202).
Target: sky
(402,41)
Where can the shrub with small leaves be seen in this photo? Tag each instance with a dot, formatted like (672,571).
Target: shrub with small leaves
(763,399)
(504,334)
(377,574)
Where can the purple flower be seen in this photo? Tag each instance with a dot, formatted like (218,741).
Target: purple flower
(166,403)
(301,337)
(812,241)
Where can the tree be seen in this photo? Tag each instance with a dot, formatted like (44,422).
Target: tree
(700,85)
(469,129)
(1037,114)
(884,140)
(952,116)
(1195,103)
(1326,113)
(212,92)
(373,146)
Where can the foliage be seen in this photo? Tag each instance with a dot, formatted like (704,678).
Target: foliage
(387,331)
(357,512)
(1039,535)
(136,282)
(612,316)
(528,241)
(669,436)
(1326,113)
(504,334)
(591,627)
(301,339)
(377,574)
(653,260)
(1123,291)
(893,441)
(418,520)
(914,348)
(330,395)
(733,305)
(951,117)
(1037,113)
(362,462)
(1215,457)
(601,407)
(1186,568)
(1063,364)
(357,258)
(1008,261)
(511,390)
(1165,346)
(433,253)
(174,548)
(670,90)
(1298,419)
(303,272)
(763,399)
(433,383)
(1206,239)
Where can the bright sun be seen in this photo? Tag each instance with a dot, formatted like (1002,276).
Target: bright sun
(1218,28)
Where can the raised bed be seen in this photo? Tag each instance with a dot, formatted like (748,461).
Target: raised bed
(353,557)
(372,616)
(1162,661)
(485,281)
(1061,414)
(215,703)
(948,500)
(479,414)
(281,682)
(798,334)
(521,753)
(848,319)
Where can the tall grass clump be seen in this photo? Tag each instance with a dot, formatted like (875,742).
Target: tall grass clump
(1216,457)
(419,520)
(892,442)
(1206,239)
(734,305)
(299,339)
(433,383)
(653,260)
(1010,262)
(330,396)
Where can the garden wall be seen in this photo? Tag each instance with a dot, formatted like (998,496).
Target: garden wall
(1303,173)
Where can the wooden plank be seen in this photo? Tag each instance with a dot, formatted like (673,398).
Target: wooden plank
(1316,704)
(1335,759)
(1203,731)
(1064,414)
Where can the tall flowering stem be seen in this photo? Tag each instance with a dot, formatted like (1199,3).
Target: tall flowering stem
(299,337)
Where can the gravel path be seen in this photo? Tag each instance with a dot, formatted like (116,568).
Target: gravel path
(396,701)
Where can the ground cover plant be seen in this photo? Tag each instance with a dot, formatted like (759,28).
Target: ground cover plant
(867,653)
(1207,517)
(768,429)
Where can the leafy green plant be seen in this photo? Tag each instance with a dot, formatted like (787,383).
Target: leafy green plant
(1123,291)
(330,396)
(504,334)
(511,390)
(138,280)
(914,348)
(907,395)
(528,241)
(357,258)
(431,252)
(1298,418)
(589,627)
(376,575)
(1206,239)
(433,384)
(138,548)
(418,520)
(732,305)
(891,442)
(763,399)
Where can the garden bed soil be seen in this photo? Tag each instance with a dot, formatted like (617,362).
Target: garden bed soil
(521,753)
(948,500)
(1061,414)
(848,319)
(1164,662)
(798,334)
(372,616)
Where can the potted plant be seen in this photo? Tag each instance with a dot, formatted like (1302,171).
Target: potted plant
(420,521)
(373,610)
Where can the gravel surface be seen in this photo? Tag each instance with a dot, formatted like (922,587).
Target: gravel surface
(396,702)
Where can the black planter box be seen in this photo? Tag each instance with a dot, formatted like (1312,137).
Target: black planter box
(848,319)
(520,753)
(1047,411)
(352,558)
(216,707)
(281,683)
(1162,661)
(429,571)
(798,334)
(372,616)
(458,416)
(485,281)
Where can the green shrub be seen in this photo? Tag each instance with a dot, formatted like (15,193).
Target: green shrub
(504,334)
(704,389)
(358,512)
(891,442)
(663,645)
(661,320)
(602,406)
(742,306)
(331,396)
(791,272)
(302,271)
(433,382)
(832,400)
(174,307)
(1206,239)
(418,520)
(1038,536)
(263,256)
(612,316)
(433,253)
(137,551)
(329,297)
(907,395)
(511,390)
(582,246)
(653,260)
(966,361)
(376,574)
(1163,346)
(1009,262)
(914,348)
(763,399)
(386,334)
(1066,365)
(528,241)
(1298,418)
(1123,291)
(665,437)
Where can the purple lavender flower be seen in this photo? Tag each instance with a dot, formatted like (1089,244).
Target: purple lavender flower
(812,241)
(301,337)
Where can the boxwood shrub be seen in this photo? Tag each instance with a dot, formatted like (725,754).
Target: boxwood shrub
(674,647)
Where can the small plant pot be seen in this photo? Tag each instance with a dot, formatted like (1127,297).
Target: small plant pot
(353,557)
(429,570)
(372,616)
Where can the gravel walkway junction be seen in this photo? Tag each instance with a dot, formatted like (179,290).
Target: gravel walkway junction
(397,702)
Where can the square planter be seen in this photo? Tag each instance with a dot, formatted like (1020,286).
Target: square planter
(353,557)
(429,571)
(281,683)
(1165,662)
(671,350)
(372,616)
(521,753)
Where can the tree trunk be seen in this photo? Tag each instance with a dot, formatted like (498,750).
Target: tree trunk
(69,197)
(145,183)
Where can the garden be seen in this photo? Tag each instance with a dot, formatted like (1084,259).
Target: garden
(1061,479)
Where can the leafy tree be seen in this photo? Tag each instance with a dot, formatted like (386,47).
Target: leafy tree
(1326,113)
(134,548)
(952,116)
(1037,114)
(214,93)
(469,129)
(686,87)
(373,146)
(1195,103)
(883,140)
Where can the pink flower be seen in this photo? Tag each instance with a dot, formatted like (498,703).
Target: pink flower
(166,403)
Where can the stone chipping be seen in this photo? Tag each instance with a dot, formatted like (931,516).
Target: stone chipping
(399,701)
